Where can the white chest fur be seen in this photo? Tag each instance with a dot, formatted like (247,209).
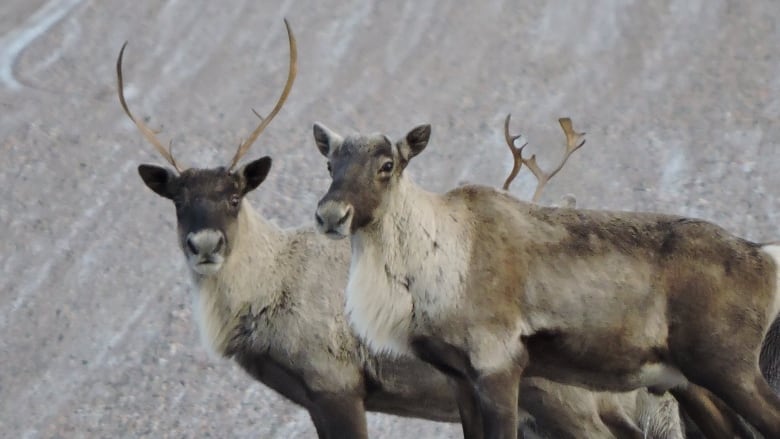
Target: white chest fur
(409,267)
(379,309)
(210,315)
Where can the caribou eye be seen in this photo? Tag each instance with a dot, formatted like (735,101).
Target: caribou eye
(234,200)
(386,167)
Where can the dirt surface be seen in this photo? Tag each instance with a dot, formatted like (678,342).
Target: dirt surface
(680,99)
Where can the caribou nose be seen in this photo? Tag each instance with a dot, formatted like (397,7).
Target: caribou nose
(191,245)
(334,217)
(347,215)
(205,242)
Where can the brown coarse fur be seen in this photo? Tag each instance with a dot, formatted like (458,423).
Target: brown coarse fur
(689,265)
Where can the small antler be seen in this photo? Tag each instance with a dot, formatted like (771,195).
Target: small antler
(574,141)
(145,130)
(264,121)
(517,153)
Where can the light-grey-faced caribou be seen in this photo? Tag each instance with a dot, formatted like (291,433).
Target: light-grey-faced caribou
(272,299)
(489,289)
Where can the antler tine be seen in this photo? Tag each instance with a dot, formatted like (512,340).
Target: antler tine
(574,141)
(145,130)
(517,153)
(259,116)
(285,92)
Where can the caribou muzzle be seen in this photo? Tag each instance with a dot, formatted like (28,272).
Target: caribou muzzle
(205,251)
(334,218)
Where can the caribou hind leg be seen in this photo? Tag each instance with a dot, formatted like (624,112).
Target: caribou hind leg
(733,376)
(735,379)
(714,419)
(752,397)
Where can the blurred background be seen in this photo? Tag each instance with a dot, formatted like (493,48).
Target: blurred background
(680,101)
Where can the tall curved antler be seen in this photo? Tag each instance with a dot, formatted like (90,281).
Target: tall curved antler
(145,130)
(264,121)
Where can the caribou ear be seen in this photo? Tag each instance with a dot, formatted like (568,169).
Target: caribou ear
(326,139)
(414,142)
(157,178)
(254,173)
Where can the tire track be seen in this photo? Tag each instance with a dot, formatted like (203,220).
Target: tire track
(14,42)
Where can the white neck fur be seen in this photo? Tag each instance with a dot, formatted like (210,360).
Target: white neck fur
(248,276)
(399,262)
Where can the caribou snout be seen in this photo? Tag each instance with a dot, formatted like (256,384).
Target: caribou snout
(334,218)
(205,251)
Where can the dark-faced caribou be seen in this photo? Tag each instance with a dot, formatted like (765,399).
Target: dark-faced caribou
(489,289)
(272,299)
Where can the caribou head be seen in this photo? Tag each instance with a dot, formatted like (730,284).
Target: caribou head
(364,169)
(207,201)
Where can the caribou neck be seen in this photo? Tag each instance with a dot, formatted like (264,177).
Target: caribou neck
(397,261)
(248,280)
(410,222)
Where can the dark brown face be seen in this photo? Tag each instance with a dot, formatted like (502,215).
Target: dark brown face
(364,170)
(207,205)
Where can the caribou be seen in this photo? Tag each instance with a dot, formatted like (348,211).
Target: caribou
(272,300)
(490,289)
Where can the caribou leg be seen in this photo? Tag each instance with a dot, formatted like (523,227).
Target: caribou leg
(752,397)
(769,360)
(498,395)
(454,363)
(468,408)
(336,415)
(711,416)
